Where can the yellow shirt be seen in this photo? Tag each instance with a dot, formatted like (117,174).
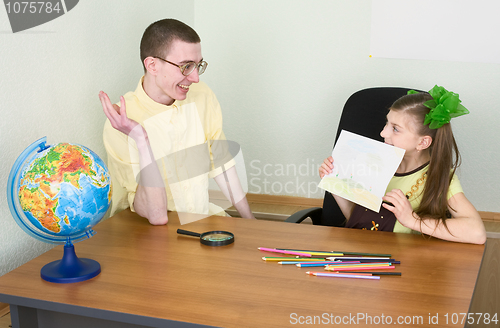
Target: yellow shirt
(412,185)
(173,131)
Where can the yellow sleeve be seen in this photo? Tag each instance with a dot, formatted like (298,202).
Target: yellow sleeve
(455,187)
(122,164)
(216,138)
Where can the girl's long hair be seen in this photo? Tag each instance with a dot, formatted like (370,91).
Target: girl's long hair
(445,158)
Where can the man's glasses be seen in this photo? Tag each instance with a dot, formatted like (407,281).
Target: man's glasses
(189,67)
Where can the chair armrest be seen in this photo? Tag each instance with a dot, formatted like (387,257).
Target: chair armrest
(314,213)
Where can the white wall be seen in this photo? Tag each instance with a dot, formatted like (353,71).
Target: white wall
(50,77)
(282,70)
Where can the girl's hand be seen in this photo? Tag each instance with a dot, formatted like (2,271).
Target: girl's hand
(326,168)
(400,206)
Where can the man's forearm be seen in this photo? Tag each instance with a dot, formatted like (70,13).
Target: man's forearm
(151,203)
(150,199)
(230,185)
(244,209)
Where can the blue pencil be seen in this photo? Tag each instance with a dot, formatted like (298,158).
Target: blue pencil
(318,264)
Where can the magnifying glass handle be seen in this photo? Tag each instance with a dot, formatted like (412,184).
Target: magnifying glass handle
(189,233)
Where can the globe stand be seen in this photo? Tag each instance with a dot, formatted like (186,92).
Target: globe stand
(70,268)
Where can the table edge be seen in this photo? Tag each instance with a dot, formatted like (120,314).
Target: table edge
(83,311)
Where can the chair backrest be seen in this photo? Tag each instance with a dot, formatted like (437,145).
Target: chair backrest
(364,113)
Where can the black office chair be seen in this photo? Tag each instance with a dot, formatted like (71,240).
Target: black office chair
(364,113)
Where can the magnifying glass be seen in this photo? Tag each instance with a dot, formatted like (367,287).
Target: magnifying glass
(211,238)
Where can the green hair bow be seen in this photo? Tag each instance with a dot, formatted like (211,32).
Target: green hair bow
(444,107)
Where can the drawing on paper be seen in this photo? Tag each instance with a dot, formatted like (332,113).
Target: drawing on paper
(363,168)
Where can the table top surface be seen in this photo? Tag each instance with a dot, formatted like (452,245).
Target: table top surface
(154,272)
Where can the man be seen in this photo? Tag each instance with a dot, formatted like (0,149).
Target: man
(169,119)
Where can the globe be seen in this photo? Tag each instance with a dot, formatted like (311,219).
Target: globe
(56,194)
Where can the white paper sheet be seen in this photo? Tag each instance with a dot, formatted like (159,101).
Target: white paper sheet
(363,168)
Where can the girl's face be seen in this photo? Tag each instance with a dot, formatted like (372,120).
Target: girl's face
(400,131)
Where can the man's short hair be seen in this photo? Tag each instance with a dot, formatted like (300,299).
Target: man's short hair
(158,37)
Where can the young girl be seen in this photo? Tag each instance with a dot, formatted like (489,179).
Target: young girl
(424,195)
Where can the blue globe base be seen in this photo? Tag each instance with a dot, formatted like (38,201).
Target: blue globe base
(70,268)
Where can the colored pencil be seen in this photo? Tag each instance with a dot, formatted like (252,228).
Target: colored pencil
(359,273)
(273,250)
(344,272)
(360,264)
(339,275)
(317,253)
(318,264)
(276,259)
(345,253)
(366,254)
(340,258)
(353,267)
(360,268)
(374,261)
(298,262)
(377,273)
(361,260)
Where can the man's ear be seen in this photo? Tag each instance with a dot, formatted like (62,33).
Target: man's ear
(150,65)
(425,142)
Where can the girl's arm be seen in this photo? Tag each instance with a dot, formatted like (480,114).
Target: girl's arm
(346,206)
(464,226)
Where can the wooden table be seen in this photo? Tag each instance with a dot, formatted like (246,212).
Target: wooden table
(153,277)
